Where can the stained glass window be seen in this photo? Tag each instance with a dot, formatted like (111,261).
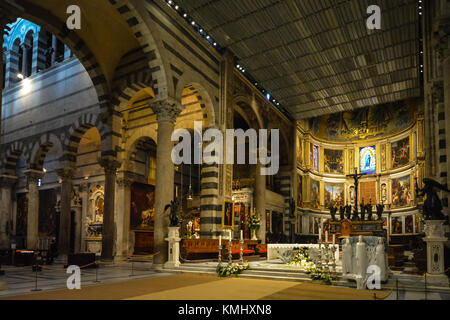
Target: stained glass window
(367,160)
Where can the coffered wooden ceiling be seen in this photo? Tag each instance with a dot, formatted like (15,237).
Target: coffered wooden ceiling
(317,56)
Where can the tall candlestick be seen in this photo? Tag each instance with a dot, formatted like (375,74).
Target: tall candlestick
(242,235)
(334,239)
(220,240)
(320,234)
(230,234)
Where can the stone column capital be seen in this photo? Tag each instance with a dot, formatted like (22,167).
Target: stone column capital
(126,179)
(33,176)
(7,181)
(84,186)
(66,173)
(441,38)
(167,110)
(437,91)
(110,165)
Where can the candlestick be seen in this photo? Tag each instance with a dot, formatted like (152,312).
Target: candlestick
(334,239)
(220,240)
(326,236)
(242,234)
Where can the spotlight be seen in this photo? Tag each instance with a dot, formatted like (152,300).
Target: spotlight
(193,23)
(20,76)
(215,44)
(176,7)
(185,15)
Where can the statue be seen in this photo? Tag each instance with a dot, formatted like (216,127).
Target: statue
(173,213)
(347,253)
(369,211)
(432,207)
(380,258)
(363,211)
(355,213)
(341,213)
(348,211)
(292,208)
(333,211)
(380,209)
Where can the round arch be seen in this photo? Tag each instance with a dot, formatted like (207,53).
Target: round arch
(191,80)
(41,148)
(247,106)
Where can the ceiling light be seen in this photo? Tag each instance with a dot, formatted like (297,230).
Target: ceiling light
(193,22)
(185,15)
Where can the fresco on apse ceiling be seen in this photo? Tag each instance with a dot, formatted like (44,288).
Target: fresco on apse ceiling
(365,123)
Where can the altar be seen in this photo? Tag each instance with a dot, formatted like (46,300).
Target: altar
(276,249)
(347,228)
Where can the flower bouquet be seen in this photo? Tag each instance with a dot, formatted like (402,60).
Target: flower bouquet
(231,269)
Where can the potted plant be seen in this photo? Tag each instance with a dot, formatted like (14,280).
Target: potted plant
(254,223)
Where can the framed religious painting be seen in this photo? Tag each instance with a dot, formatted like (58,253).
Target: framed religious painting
(334,194)
(299,151)
(400,153)
(333,161)
(315,194)
(401,192)
(396,225)
(142,207)
(409,224)
(228,214)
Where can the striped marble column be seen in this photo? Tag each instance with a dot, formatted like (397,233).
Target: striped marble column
(285,190)
(12,68)
(210,206)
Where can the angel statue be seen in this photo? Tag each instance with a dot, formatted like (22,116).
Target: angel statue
(173,212)
(333,211)
(380,209)
(432,207)
(341,212)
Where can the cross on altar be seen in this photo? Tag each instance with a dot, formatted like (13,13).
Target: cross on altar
(356,176)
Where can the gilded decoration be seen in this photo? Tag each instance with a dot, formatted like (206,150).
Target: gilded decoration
(365,123)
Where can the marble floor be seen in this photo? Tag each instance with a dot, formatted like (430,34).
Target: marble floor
(201,284)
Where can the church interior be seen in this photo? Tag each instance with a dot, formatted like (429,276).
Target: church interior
(91,93)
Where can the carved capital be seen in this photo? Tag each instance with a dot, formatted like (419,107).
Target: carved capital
(441,38)
(166,110)
(437,92)
(110,165)
(83,187)
(33,176)
(7,181)
(66,173)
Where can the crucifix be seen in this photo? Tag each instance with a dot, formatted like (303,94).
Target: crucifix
(356,176)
